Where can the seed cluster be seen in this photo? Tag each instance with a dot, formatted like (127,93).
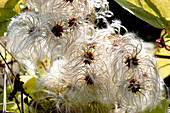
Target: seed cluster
(80,61)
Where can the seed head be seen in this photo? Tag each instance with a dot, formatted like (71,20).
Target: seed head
(69,0)
(72,22)
(57,30)
(133,61)
(134,86)
(31,29)
(89,80)
(88,57)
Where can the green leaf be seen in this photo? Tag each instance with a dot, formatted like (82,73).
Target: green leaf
(155,12)
(6,14)
(11,4)
(8,8)
(3,27)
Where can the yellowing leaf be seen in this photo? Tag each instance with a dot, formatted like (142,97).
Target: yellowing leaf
(30,85)
(2,3)
(155,12)
(8,57)
(25,78)
(163,63)
(17,7)
(164,67)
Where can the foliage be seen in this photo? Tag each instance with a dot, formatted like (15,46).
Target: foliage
(8,8)
(155,12)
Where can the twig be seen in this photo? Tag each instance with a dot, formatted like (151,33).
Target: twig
(4,59)
(4,90)
(8,68)
(7,64)
(22,104)
(16,101)
(10,54)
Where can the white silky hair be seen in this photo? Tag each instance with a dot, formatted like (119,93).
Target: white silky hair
(90,68)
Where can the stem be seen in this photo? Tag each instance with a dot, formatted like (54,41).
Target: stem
(22,104)
(4,90)
(11,55)
(4,94)
(16,101)
(7,64)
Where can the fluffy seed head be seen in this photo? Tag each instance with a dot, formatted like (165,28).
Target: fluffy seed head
(57,30)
